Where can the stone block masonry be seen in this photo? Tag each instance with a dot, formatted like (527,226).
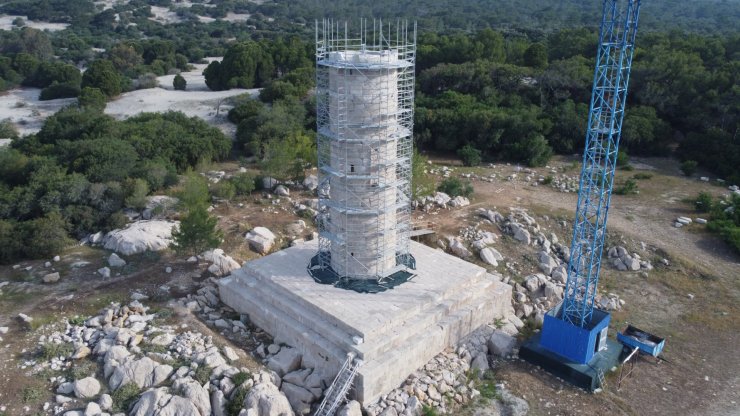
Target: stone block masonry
(393,332)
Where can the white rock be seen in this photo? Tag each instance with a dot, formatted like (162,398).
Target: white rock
(144,372)
(458,249)
(459,201)
(168,269)
(300,399)
(261,239)
(141,236)
(222,264)
(93,409)
(104,271)
(286,361)
(281,190)
(501,343)
(86,387)
(352,408)
(490,256)
(159,402)
(311,182)
(56,258)
(229,353)
(700,220)
(115,261)
(105,402)
(631,263)
(50,277)
(684,220)
(264,399)
(269,183)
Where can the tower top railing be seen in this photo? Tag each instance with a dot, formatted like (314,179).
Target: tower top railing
(372,38)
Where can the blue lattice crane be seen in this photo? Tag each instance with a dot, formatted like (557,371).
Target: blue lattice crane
(575,330)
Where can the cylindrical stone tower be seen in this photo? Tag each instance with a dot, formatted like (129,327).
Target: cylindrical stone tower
(365,88)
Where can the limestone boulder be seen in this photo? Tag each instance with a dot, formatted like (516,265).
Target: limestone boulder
(115,261)
(141,236)
(193,391)
(480,363)
(459,249)
(143,372)
(221,264)
(281,190)
(50,277)
(261,240)
(352,408)
(86,387)
(300,399)
(284,362)
(501,343)
(491,256)
(264,399)
(269,183)
(459,202)
(160,402)
(311,182)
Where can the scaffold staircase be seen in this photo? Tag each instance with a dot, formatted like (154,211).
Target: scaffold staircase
(337,392)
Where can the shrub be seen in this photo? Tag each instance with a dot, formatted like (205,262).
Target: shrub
(136,191)
(627,188)
(11,246)
(125,396)
(623,159)
(224,190)
(55,91)
(548,180)
(456,187)
(51,350)
(146,81)
(703,202)
(46,236)
(642,176)
(202,374)
(244,183)
(688,167)
(197,232)
(470,155)
(179,83)
(92,98)
(103,75)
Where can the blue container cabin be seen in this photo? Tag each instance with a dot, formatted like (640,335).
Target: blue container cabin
(646,342)
(575,344)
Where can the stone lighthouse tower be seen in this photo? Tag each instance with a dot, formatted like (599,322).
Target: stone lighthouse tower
(365,93)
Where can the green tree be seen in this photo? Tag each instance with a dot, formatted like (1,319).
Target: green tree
(244,183)
(179,83)
(11,245)
(92,99)
(470,155)
(45,237)
(456,187)
(197,232)
(688,167)
(536,56)
(136,191)
(103,75)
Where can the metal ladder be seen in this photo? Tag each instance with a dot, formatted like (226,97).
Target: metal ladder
(602,379)
(337,392)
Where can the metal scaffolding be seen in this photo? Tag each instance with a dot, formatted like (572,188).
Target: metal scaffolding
(364,101)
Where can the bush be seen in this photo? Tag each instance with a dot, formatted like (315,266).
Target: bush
(627,188)
(703,202)
(623,159)
(688,167)
(197,232)
(125,397)
(11,245)
(103,75)
(224,190)
(642,176)
(179,83)
(55,91)
(146,81)
(456,187)
(92,98)
(470,155)
(244,183)
(136,191)
(45,237)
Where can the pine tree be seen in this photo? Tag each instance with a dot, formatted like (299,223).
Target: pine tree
(197,232)
(179,83)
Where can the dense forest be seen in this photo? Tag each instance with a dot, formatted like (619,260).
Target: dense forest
(496,81)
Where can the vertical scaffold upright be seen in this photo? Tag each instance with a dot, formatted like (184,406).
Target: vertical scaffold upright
(364,100)
(575,330)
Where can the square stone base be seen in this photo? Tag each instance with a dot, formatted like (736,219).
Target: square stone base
(394,332)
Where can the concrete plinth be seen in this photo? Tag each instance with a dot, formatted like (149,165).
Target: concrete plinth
(394,332)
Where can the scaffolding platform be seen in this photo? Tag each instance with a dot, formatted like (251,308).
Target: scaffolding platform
(394,332)
(587,376)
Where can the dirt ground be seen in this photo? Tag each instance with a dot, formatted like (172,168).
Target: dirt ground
(700,376)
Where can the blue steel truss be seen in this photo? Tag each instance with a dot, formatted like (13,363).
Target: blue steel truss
(611,78)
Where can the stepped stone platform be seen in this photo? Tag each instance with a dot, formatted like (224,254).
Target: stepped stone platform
(394,332)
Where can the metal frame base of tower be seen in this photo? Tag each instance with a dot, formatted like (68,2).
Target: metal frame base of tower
(586,376)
